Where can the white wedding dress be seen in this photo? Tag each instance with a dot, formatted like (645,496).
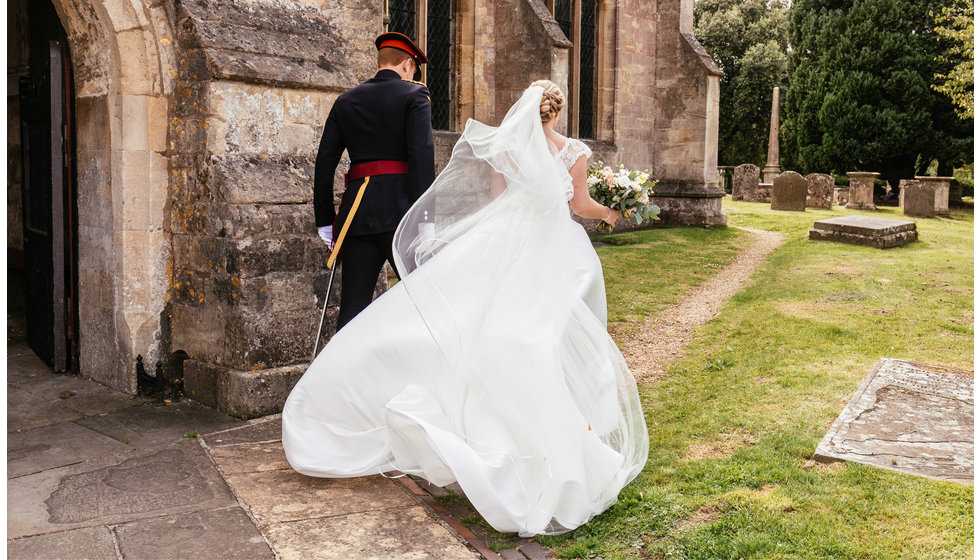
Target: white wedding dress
(489,363)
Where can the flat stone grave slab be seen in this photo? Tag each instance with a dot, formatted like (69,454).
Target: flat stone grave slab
(116,489)
(881,233)
(908,417)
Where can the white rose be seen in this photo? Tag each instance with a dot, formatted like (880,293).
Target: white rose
(623,181)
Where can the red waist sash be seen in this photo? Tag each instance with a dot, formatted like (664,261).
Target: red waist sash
(372,168)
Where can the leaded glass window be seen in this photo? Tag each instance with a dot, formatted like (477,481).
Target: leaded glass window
(401,17)
(563,15)
(587,71)
(439,49)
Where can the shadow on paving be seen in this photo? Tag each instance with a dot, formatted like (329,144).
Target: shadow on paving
(95,473)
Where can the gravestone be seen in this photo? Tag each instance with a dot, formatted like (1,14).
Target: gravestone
(908,417)
(842,195)
(746,182)
(819,190)
(941,185)
(881,233)
(862,190)
(919,200)
(902,185)
(764,193)
(789,190)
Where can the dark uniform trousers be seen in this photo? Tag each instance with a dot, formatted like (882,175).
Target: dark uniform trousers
(363,258)
(383,119)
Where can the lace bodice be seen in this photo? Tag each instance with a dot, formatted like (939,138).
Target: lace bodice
(567,156)
(571,151)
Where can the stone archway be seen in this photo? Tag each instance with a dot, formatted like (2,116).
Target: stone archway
(123,57)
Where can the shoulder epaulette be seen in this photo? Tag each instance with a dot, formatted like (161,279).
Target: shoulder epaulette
(413,81)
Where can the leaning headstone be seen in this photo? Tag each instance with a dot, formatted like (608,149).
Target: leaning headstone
(919,200)
(881,233)
(746,182)
(941,185)
(862,196)
(789,192)
(842,195)
(910,417)
(819,190)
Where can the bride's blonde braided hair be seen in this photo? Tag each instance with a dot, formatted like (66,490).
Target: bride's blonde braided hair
(551,101)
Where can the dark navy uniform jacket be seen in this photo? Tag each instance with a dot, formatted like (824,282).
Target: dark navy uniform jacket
(384,118)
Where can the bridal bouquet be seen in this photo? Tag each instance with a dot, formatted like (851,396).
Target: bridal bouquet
(623,190)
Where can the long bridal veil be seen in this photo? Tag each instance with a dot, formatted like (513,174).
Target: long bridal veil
(482,365)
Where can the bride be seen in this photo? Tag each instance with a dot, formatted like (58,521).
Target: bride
(489,363)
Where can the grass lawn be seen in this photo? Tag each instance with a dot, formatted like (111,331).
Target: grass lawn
(733,424)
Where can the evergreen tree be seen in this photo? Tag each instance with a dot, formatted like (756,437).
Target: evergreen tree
(748,41)
(860,96)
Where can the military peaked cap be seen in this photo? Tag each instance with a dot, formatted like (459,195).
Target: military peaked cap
(401,42)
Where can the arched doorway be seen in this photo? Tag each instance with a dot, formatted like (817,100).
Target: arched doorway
(47,238)
(114,128)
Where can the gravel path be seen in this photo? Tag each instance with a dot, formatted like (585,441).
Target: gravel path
(663,337)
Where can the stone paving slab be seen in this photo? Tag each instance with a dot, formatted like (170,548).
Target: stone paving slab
(28,373)
(48,447)
(250,457)
(394,534)
(158,424)
(222,533)
(285,495)
(92,543)
(116,489)
(26,411)
(909,417)
(261,430)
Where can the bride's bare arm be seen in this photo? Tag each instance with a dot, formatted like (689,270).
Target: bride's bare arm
(497,184)
(581,203)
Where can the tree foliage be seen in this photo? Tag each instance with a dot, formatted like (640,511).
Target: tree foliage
(748,41)
(955,23)
(860,94)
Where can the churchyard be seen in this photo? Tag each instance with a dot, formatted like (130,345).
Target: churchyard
(734,423)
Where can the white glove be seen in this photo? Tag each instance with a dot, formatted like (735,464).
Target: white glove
(326,234)
(427,236)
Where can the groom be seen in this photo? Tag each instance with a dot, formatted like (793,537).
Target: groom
(386,126)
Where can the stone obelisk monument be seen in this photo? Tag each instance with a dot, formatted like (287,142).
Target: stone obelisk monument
(771,169)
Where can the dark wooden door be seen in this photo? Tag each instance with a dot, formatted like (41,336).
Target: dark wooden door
(48,225)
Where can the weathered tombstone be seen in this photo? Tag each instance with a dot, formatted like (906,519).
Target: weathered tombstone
(842,195)
(902,185)
(819,190)
(881,233)
(910,417)
(789,192)
(941,184)
(919,199)
(746,182)
(764,193)
(862,190)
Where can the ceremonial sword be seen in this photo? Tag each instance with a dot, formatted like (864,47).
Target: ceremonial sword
(332,261)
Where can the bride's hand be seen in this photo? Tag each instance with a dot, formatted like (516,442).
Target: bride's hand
(614,215)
